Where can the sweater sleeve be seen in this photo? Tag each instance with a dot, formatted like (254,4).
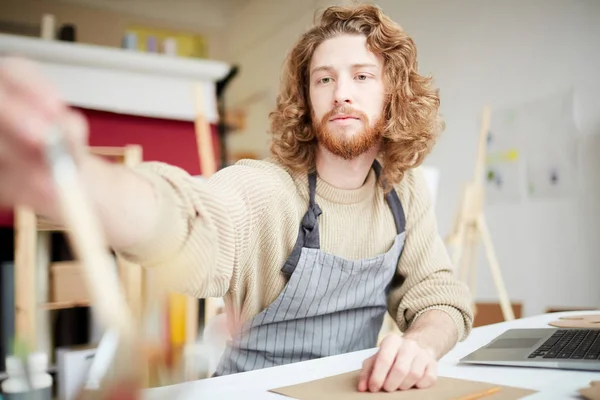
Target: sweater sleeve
(205,226)
(425,277)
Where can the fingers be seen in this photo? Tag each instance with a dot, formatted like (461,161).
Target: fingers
(29,186)
(365,373)
(22,78)
(398,365)
(402,372)
(429,376)
(28,104)
(415,372)
(76,129)
(21,125)
(6,195)
(385,358)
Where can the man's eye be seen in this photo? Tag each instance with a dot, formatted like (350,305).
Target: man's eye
(362,77)
(325,80)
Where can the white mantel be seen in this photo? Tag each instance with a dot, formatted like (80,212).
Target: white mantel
(123,81)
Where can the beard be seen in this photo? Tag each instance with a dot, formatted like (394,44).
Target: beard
(342,144)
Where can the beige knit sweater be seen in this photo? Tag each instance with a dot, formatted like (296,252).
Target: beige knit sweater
(229,236)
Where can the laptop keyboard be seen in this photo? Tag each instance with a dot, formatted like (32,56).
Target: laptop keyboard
(573,344)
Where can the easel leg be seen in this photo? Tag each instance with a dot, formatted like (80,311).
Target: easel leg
(466,268)
(495,268)
(468,272)
(458,250)
(473,247)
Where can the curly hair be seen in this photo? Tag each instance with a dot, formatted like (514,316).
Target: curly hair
(412,122)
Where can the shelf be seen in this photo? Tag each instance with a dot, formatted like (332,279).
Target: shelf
(113,58)
(123,81)
(46,225)
(108,151)
(62,305)
(66,276)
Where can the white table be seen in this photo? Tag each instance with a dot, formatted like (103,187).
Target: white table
(551,384)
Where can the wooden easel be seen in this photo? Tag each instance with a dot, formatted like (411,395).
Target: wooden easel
(470,227)
(208,167)
(183,325)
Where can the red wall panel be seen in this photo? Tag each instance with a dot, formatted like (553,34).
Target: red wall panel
(6,218)
(170,141)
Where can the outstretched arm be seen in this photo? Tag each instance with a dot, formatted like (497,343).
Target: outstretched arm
(205,227)
(155,215)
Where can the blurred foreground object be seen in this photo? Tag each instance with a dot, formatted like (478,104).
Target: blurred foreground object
(27,378)
(120,360)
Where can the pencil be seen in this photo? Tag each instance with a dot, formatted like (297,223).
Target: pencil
(479,395)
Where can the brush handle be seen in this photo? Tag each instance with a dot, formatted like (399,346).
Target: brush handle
(87,239)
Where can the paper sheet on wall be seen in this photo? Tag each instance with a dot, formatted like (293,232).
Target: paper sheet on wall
(532,150)
(503,170)
(550,142)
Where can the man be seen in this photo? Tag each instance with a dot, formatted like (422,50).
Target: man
(309,248)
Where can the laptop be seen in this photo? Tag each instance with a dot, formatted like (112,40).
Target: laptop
(559,348)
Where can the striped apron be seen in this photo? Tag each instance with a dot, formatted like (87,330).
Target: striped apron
(329,306)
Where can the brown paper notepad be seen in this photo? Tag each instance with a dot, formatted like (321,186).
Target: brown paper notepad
(344,386)
(577,321)
(592,392)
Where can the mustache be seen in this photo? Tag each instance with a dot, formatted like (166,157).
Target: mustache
(345,110)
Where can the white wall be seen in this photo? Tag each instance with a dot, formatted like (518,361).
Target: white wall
(196,15)
(260,35)
(480,52)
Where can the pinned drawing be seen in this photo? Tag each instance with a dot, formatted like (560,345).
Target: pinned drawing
(532,151)
(551,172)
(503,178)
(551,145)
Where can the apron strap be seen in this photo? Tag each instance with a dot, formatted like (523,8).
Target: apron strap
(310,223)
(393,202)
(308,233)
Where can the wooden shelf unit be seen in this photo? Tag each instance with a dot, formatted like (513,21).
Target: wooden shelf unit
(32,257)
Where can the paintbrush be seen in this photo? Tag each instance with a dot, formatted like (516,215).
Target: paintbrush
(123,344)
(98,265)
(87,239)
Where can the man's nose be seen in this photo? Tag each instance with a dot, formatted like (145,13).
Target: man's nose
(342,93)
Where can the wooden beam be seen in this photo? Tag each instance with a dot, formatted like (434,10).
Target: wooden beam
(25,284)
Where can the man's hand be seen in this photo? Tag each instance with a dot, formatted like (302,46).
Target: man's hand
(399,364)
(29,107)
